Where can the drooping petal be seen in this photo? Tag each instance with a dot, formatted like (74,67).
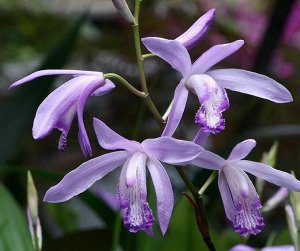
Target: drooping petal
(164,192)
(110,140)
(82,134)
(197,31)
(171,51)
(137,214)
(138,160)
(201,137)
(208,160)
(214,55)
(242,149)
(251,83)
(41,73)
(242,247)
(170,150)
(270,174)
(108,87)
(226,196)
(84,176)
(180,98)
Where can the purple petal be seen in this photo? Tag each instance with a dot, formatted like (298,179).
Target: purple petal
(242,149)
(226,196)
(110,140)
(242,247)
(197,31)
(136,162)
(84,176)
(276,199)
(208,160)
(214,55)
(171,51)
(201,137)
(170,150)
(108,197)
(180,98)
(270,174)
(108,87)
(164,193)
(82,135)
(41,73)
(251,83)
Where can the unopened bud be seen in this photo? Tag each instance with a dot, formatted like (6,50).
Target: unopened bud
(124,10)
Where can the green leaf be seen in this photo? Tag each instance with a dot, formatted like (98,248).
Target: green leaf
(14,233)
(18,111)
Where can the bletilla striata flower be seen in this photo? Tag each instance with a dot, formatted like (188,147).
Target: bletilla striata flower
(240,199)
(132,190)
(242,247)
(59,108)
(210,86)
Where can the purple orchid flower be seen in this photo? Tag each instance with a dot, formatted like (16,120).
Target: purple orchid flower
(59,108)
(240,199)
(242,247)
(132,191)
(210,86)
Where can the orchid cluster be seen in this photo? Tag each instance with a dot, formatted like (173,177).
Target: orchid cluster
(240,199)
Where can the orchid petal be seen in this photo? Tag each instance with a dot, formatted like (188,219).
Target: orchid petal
(108,87)
(226,196)
(42,73)
(242,247)
(110,140)
(214,55)
(164,192)
(242,149)
(251,83)
(175,115)
(201,137)
(270,174)
(171,51)
(137,162)
(197,31)
(208,160)
(84,176)
(171,150)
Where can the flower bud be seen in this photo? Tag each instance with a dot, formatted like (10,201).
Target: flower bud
(124,10)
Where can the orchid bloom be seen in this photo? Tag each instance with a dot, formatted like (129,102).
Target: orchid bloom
(132,191)
(59,108)
(210,86)
(242,247)
(240,199)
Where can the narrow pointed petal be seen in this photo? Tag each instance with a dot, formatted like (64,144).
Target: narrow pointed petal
(170,150)
(110,140)
(214,55)
(270,174)
(56,111)
(108,87)
(197,31)
(180,98)
(82,134)
(226,196)
(42,73)
(208,160)
(171,51)
(164,193)
(80,179)
(251,83)
(242,149)
(201,137)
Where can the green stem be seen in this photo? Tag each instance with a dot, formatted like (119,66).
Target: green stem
(116,233)
(210,179)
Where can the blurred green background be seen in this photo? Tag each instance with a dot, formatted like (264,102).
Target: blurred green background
(91,35)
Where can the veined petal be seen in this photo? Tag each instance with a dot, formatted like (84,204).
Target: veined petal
(242,149)
(164,192)
(214,55)
(171,51)
(208,160)
(270,174)
(82,135)
(197,31)
(110,140)
(108,87)
(180,98)
(84,176)
(138,160)
(41,73)
(251,83)
(170,150)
